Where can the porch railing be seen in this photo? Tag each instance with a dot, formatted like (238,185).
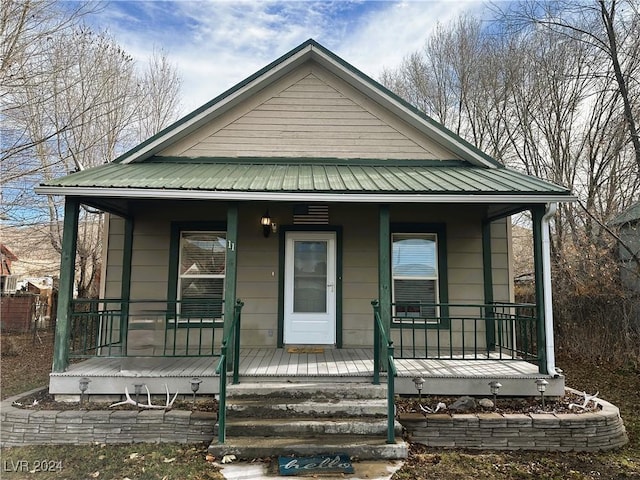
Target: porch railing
(465,331)
(231,338)
(118,328)
(382,343)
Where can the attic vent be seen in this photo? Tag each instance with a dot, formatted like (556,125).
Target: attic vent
(311,215)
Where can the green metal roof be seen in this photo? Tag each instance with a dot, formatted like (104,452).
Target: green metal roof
(328,176)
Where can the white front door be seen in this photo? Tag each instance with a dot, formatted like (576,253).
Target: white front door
(310,288)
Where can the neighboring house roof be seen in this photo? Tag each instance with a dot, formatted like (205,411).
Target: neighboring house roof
(291,132)
(7,258)
(631,214)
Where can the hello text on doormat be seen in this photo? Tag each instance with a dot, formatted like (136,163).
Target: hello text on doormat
(318,464)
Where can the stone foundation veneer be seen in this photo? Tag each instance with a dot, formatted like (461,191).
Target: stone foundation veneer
(593,431)
(45,427)
(586,432)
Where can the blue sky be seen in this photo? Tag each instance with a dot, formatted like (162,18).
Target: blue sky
(216,44)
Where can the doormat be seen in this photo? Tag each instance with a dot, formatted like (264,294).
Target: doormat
(316,465)
(305,350)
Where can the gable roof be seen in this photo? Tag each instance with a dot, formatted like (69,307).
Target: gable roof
(309,50)
(458,173)
(6,252)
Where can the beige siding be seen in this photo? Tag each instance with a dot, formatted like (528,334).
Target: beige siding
(258,276)
(501,263)
(360,276)
(258,261)
(465,271)
(309,113)
(113,269)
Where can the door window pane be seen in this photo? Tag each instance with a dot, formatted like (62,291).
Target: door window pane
(310,277)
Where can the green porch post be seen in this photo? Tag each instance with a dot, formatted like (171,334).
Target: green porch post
(125,292)
(537,213)
(231,272)
(487,270)
(67,276)
(384,275)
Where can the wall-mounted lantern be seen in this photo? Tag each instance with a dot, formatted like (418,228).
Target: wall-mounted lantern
(268,225)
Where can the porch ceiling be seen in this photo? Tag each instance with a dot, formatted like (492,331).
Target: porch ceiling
(288,179)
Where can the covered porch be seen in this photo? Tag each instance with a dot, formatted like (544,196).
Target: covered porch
(117,344)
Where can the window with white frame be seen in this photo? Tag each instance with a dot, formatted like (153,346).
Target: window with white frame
(415,275)
(200,286)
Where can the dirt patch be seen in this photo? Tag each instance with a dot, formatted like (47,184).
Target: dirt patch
(504,405)
(42,400)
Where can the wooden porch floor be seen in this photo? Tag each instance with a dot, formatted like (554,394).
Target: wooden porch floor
(451,376)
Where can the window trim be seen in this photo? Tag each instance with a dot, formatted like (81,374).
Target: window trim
(439,230)
(175,244)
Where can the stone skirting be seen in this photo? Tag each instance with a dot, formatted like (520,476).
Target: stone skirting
(591,431)
(45,427)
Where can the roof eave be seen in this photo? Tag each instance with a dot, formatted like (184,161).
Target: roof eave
(348,197)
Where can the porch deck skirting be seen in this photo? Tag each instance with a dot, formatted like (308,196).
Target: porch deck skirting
(109,376)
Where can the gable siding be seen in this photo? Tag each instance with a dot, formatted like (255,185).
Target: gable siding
(309,113)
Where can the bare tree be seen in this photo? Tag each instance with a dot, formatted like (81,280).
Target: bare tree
(453,79)
(610,30)
(535,99)
(160,88)
(26,28)
(85,104)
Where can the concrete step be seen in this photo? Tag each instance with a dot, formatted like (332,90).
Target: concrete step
(277,407)
(309,390)
(358,446)
(300,427)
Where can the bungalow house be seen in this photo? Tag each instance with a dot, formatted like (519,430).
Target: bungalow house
(307,223)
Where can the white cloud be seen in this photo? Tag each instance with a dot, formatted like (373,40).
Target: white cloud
(216,44)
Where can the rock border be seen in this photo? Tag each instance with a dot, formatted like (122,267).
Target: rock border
(584,432)
(19,427)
